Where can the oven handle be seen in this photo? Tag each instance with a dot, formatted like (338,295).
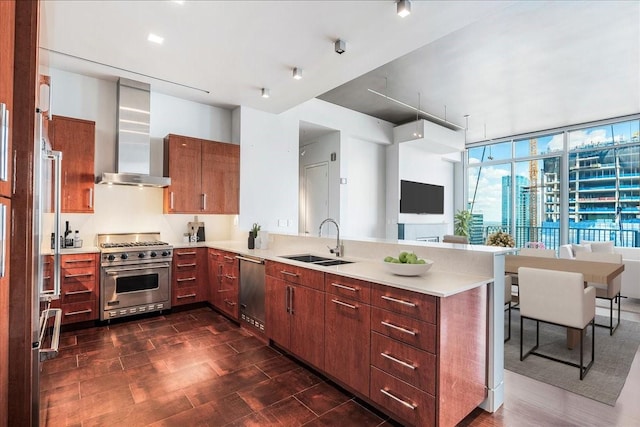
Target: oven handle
(147,267)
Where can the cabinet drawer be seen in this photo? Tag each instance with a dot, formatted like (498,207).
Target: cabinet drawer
(229,304)
(79,312)
(185,295)
(294,274)
(406,329)
(75,275)
(414,366)
(413,304)
(185,278)
(412,406)
(229,260)
(78,292)
(348,287)
(79,260)
(185,255)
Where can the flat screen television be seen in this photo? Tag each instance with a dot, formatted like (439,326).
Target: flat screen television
(421,198)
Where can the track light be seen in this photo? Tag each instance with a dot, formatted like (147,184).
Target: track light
(265,92)
(404,8)
(297,73)
(340,46)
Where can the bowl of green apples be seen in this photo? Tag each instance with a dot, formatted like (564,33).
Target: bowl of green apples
(407,264)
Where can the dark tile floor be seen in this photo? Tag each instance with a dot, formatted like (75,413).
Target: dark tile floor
(189,368)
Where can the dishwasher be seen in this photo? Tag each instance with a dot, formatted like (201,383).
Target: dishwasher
(252,291)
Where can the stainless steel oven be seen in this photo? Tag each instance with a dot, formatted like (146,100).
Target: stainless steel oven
(135,275)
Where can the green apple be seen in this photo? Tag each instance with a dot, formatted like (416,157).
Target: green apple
(403,257)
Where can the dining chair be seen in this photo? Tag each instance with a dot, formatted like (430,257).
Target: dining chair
(558,298)
(449,238)
(542,253)
(603,290)
(507,302)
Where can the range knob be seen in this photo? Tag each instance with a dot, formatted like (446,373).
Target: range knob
(124,256)
(166,253)
(153,254)
(141,255)
(111,257)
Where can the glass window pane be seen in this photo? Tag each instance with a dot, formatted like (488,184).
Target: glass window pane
(539,145)
(605,135)
(487,153)
(488,202)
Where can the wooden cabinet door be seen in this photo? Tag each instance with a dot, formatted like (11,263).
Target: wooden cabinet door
(4,307)
(76,139)
(307,324)
(347,341)
(276,307)
(7,34)
(183,165)
(202,275)
(215,277)
(220,177)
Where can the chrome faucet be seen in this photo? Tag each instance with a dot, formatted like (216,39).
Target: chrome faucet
(338,250)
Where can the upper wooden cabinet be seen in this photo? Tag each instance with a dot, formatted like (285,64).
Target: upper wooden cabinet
(7,13)
(205,176)
(76,139)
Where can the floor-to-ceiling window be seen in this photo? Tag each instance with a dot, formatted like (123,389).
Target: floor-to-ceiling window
(517,185)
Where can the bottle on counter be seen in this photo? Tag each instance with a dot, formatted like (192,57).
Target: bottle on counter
(68,239)
(77,243)
(252,241)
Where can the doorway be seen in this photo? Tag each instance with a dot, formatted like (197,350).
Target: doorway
(315,196)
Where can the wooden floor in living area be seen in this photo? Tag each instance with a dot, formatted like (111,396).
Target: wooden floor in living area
(196,368)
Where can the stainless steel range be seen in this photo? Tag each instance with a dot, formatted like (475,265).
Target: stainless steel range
(135,274)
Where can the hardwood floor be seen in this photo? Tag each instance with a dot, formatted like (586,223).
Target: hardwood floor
(196,368)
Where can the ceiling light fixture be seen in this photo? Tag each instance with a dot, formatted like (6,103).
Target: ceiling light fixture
(404,8)
(340,46)
(265,92)
(297,73)
(155,38)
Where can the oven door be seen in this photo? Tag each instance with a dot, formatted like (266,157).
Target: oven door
(135,285)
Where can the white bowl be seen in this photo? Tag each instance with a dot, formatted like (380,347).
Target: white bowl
(408,269)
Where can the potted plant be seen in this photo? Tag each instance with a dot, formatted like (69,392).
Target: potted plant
(500,238)
(255,228)
(462,223)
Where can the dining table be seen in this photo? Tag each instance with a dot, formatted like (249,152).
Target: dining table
(596,272)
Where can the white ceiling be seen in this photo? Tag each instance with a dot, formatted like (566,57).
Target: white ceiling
(514,66)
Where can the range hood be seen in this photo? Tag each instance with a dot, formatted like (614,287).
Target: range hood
(133,143)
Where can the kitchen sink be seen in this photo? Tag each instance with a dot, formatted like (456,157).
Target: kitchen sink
(317,260)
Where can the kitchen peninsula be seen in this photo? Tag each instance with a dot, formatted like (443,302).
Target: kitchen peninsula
(417,348)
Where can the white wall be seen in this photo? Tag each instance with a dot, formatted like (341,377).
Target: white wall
(129,209)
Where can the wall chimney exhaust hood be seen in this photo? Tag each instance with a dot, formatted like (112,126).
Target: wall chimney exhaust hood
(133,143)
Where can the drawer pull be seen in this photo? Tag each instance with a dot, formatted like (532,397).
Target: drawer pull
(397,399)
(288,273)
(46,278)
(229,258)
(353,307)
(186,279)
(185,253)
(70,276)
(348,288)
(214,254)
(398,328)
(84,291)
(398,361)
(74,313)
(230,277)
(186,265)
(72,261)
(186,296)
(399,301)
(229,302)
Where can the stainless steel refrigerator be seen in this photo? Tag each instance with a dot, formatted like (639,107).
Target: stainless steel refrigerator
(46,314)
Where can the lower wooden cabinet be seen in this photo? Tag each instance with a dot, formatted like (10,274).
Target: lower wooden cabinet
(79,287)
(224,282)
(188,276)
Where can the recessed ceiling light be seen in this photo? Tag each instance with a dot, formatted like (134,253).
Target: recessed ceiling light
(155,39)
(297,73)
(265,92)
(404,8)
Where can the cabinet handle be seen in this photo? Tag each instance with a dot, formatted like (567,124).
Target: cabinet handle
(75,313)
(186,296)
(398,361)
(399,301)
(230,277)
(171,200)
(70,276)
(13,174)
(90,198)
(214,254)
(288,273)
(291,299)
(286,299)
(219,277)
(3,238)
(73,261)
(186,265)
(4,142)
(186,279)
(84,291)
(226,301)
(185,253)
(204,201)
(353,307)
(348,288)
(229,258)
(397,399)
(399,328)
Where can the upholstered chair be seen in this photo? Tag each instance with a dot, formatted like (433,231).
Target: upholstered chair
(449,238)
(603,290)
(507,303)
(559,298)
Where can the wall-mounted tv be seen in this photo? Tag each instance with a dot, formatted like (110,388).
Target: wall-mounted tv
(421,198)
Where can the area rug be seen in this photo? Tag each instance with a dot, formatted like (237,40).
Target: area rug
(613,358)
